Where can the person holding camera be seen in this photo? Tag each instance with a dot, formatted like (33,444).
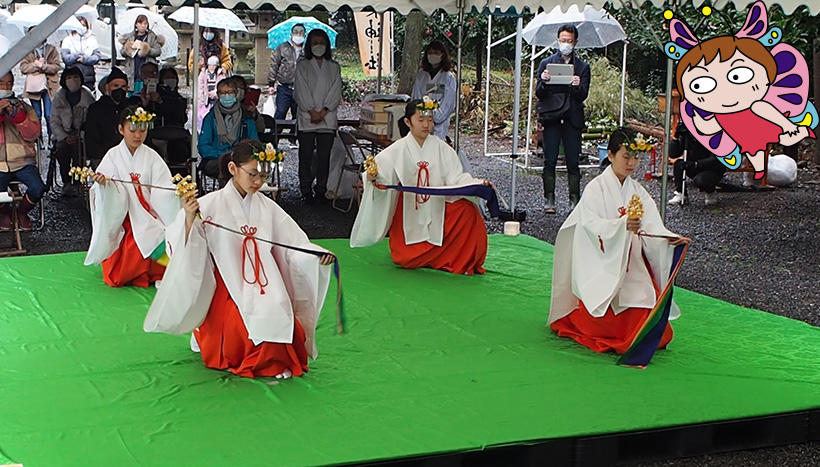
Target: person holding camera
(18,154)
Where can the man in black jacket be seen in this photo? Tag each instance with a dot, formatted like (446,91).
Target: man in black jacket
(560,110)
(100,127)
(700,165)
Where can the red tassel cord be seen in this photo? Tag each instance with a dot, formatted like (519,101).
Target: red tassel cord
(259,276)
(422,181)
(135,178)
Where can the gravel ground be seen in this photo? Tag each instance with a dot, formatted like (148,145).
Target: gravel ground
(758,249)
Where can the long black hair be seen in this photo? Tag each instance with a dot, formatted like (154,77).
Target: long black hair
(242,152)
(409,110)
(446,62)
(313,33)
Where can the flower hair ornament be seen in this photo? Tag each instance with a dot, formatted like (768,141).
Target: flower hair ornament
(140,119)
(427,106)
(640,143)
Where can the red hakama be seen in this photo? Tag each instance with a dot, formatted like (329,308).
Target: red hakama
(611,331)
(224,344)
(126,266)
(463,249)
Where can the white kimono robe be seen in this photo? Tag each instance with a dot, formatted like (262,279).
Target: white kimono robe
(442,88)
(317,87)
(599,262)
(399,164)
(112,202)
(297,283)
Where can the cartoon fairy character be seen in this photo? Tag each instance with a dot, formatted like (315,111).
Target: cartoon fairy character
(737,96)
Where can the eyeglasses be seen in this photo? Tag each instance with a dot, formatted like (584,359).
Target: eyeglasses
(566,41)
(257,175)
(229,93)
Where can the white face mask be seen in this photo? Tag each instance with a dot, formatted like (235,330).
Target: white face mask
(565,49)
(318,50)
(208,36)
(298,40)
(434,59)
(82,31)
(73,84)
(170,83)
(6,93)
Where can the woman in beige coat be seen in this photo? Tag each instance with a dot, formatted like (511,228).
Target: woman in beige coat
(139,46)
(42,69)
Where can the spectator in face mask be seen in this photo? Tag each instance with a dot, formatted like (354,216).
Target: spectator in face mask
(436,81)
(283,71)
(560,110)
(19,129)
(172,107)
(208,78)
(225,125)
(81,50)
(71,104)
(318,93)
(101,132)
(211,44)
(249,107)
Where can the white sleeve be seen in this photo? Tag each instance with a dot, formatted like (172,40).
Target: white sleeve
(302,91)
(448,103)
(182,301)
(109,206)
(454,174)
(334,96)
(165,203)
(418,86)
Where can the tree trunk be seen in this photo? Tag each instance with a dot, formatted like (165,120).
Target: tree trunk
(816,60)
(411,51)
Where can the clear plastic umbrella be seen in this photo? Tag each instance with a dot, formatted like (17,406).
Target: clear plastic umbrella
(217,18)
(156,23)
(280,33)
(32,15)
(596,28)
(13,32)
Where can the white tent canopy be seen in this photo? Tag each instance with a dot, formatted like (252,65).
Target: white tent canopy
(429,6)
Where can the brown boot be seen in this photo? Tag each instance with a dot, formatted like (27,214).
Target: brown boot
(5,217)
(22,213)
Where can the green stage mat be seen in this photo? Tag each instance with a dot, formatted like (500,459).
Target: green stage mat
(431,363)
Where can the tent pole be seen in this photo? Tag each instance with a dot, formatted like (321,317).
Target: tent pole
(487,86)
(381,52)
(392,55)
(457,129)
(194,93)
(529,110)
(516,109)
(623,85)
(113,34)
(666,137)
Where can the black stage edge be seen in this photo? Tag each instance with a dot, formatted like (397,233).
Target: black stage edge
(635,446)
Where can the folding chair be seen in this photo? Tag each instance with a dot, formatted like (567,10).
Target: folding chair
(351,145)
(17,248)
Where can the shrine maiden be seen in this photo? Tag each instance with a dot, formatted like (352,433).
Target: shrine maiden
(128,219)
(606,278)
(438,232)
(253,309)
(436,81)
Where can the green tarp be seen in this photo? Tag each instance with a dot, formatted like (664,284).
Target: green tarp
(431,362)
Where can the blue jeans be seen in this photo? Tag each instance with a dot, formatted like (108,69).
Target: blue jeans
(41,106)
(285,101)
(28,176)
